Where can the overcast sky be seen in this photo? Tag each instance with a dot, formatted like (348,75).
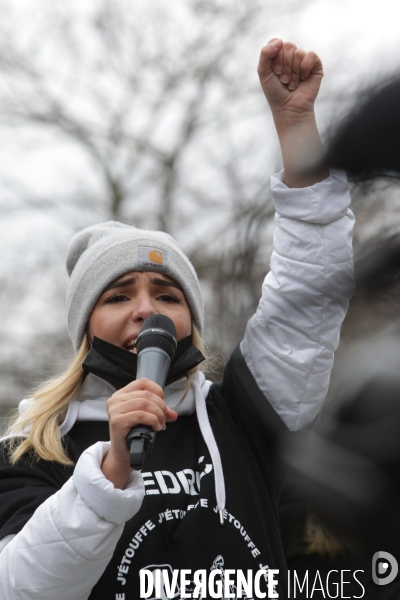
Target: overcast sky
(361,29)
(360,35)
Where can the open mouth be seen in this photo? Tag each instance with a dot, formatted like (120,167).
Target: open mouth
(131,346)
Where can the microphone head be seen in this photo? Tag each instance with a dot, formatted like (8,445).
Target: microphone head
(158,331)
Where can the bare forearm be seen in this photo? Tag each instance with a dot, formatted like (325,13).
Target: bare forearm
(300,145)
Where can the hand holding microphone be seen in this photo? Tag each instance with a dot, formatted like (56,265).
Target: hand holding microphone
(138,410)
(156,345)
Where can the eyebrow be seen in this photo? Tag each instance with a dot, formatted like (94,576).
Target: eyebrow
(165,283)
(121,283)
(131,280)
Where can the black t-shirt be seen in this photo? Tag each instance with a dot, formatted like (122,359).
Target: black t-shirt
(177,526)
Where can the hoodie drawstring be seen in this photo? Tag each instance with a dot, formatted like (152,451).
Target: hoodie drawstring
(208,436)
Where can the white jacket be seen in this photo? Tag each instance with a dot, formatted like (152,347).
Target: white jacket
(288,346)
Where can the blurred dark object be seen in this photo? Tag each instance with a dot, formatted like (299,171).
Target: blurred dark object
(349,467)
(367,144)
(377,268)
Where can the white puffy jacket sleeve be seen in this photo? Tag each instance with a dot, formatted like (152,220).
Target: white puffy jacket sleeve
(290,341)
(64,548)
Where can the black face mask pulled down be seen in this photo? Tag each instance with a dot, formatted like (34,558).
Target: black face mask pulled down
(118,366)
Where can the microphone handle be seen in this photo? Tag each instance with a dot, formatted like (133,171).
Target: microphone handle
(153,363)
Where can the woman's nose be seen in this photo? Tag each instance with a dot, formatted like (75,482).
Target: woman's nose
(143,308)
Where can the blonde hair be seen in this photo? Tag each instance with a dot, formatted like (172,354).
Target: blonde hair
(50,404)
(46,413)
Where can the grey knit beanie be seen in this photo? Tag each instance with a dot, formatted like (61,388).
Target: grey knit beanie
(101,253)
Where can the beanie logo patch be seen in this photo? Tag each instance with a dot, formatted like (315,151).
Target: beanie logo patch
(156,256)
(152,259)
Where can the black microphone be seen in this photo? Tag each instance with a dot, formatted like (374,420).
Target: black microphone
(156,345)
